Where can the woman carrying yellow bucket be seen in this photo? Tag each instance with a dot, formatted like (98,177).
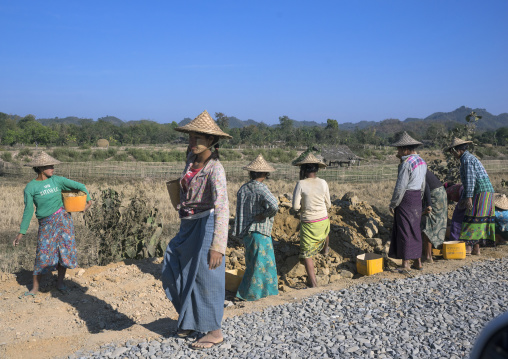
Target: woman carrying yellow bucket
(55,240)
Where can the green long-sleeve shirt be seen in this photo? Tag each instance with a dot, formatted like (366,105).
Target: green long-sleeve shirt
(47,197)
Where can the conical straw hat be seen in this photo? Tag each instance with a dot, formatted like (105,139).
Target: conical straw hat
(204,123)
(259,165)
(310,158)
(501,201)
(457,142)
(406,140)
(42,159)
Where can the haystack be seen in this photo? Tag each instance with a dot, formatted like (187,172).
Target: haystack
(103,143)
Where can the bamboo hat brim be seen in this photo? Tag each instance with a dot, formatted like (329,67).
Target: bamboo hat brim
(406,140)
(309,159)
(259,165)
(501,201)
(42,159)
(204,123)
(457,142)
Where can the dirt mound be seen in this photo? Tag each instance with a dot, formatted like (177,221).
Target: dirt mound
(355,229)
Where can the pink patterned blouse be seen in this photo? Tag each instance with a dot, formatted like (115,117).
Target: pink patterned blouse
(207,190)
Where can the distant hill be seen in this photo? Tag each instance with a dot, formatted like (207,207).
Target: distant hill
(112,119)
(350,126)
(489,122)
(65,120)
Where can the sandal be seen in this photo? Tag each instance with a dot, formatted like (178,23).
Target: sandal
(184,333)
(193,346)
(64,290)
(27,294)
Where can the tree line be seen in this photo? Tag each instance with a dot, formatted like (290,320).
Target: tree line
(29,131)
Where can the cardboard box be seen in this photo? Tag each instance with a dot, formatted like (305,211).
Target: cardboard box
(369,263)
(233,279)
(454,250)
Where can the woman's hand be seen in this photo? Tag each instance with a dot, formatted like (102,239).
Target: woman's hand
(427,210)
(466,203)
(17,239)
(214,259)
(88,205)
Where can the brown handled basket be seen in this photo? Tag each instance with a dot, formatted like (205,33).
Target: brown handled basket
(174,192)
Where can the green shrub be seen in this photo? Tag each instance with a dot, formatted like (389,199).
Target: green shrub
(25,152)
(69,155)
(100,155)
(121,157)
(84,146)
(135,232)
(275,155)
(6,156)
(156,156)
(488,151)
(111,152)
(230,155)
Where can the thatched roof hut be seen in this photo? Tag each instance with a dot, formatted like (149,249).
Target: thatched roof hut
(340,154)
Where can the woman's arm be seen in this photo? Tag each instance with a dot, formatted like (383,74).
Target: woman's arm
(68,184)
(28,212)
(400,186)
(297,197)
(271,204)
(468,179)
(327,196)
(218,187)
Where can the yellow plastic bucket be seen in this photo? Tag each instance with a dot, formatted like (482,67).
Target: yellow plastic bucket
(74,201)
(369,263)
(454,250)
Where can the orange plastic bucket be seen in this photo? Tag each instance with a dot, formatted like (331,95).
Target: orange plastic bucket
(74,201)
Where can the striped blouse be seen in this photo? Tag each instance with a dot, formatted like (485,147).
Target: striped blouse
(207,190)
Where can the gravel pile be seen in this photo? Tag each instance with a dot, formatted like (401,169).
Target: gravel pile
(430,316)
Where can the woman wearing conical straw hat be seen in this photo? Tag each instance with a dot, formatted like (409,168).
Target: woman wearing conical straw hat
(193,272)
(256,207)
(312,196)
(406,204)
(501,204)
(478,226)
(56,247)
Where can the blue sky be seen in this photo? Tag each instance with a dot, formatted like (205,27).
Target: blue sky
(309,60)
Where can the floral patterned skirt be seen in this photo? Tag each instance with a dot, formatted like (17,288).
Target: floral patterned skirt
(479,225)
(55,243)
(260,278)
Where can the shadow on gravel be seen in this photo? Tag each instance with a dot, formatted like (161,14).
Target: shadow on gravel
(95,313)
(165,327)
